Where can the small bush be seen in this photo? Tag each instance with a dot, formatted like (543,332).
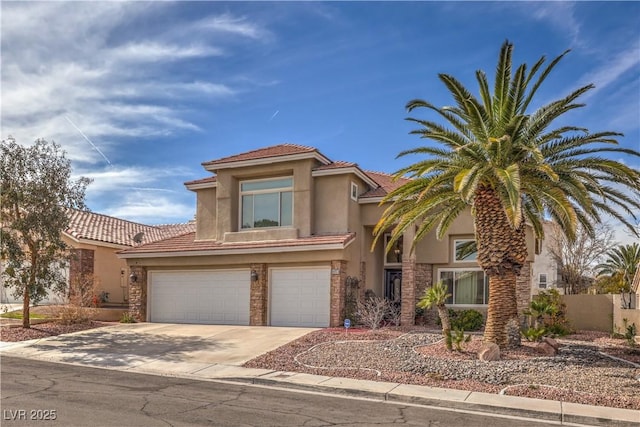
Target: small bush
(374,311)
(467,320)
(534,334)
(71,314)
(127,318)
(458,338)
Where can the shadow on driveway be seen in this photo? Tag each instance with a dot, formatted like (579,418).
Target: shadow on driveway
(124,348)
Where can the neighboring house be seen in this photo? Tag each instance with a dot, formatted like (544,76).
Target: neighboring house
(93,240)
(545,268)
(281,234)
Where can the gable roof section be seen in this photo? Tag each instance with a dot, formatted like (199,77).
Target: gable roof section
(381,183)
(283,152)
(86,225)
(340,167)
(186,245)
(197,184)
(386,185)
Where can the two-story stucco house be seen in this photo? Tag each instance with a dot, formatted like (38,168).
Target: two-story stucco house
(280,231)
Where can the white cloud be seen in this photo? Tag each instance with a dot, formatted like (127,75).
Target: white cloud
(613,69)
(232,25)
(118,179)
(151,209)
(560,15)
(81,60)
(152,51)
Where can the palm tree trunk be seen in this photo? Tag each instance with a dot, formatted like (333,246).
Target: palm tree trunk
(502,251)
(502,308)
(446,324)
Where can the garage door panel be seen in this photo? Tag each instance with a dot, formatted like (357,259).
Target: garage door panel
(200,297)
(300,297)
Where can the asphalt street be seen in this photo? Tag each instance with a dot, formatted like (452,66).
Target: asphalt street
(36,393)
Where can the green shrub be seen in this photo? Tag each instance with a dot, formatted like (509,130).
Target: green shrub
(534,334)
(467,320)
(547,311)
(458,338)
(127,318)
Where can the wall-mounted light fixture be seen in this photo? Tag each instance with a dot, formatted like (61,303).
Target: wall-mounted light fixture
(254,276)
(133,278)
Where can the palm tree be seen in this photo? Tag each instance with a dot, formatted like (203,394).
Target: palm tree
(621,263)
(437,295)
(511,168)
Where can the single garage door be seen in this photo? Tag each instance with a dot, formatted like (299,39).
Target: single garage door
(300,297)
(210,297)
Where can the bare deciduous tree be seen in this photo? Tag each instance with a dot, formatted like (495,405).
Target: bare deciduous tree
(576,260)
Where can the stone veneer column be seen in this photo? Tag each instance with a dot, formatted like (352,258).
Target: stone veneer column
(259,296)
(408,291)
(80,266)
(338,278)
(138,294)
(523,287)
(423,279)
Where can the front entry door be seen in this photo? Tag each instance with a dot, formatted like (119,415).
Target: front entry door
(392,284)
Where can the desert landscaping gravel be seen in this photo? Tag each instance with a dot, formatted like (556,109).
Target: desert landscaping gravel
(581,372)
(590,367)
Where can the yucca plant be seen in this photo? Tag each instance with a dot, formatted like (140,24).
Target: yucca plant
(436,296)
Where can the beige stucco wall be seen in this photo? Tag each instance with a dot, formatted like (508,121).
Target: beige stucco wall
(590,312)
(206,226)
(243,260)
(331,204)
(227,193)
(620,314)
(107,269)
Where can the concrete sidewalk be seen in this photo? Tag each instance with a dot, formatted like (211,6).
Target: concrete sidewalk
(227,368)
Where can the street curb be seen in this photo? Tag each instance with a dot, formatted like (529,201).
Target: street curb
(513,406)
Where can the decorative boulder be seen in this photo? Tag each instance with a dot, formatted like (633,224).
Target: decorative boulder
(546,349)
(489,352)
(553,343)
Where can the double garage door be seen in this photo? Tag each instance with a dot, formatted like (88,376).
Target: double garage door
(297,297)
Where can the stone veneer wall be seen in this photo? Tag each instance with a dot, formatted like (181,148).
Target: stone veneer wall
(338,278)
(415,279)
(424,279)
(259,296)
(408,292)
(80,265)
(138,294)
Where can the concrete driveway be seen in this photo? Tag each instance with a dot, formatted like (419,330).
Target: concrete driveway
(160,347)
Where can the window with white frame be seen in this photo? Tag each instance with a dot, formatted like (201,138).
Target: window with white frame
(542,280)
(465,250)
(466,286)
(354,191)
(266,203)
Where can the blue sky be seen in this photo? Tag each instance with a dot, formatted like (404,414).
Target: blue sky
(140,94)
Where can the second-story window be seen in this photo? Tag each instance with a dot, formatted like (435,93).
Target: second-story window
(266,203)
(465,250)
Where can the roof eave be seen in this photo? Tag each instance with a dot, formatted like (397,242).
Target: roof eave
(215,166)
(237,251)
(348,169)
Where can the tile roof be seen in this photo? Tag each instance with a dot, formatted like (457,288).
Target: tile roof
(262,153)
(202,180)
(336,165)
(103,228)
(386,182)
(187,243)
